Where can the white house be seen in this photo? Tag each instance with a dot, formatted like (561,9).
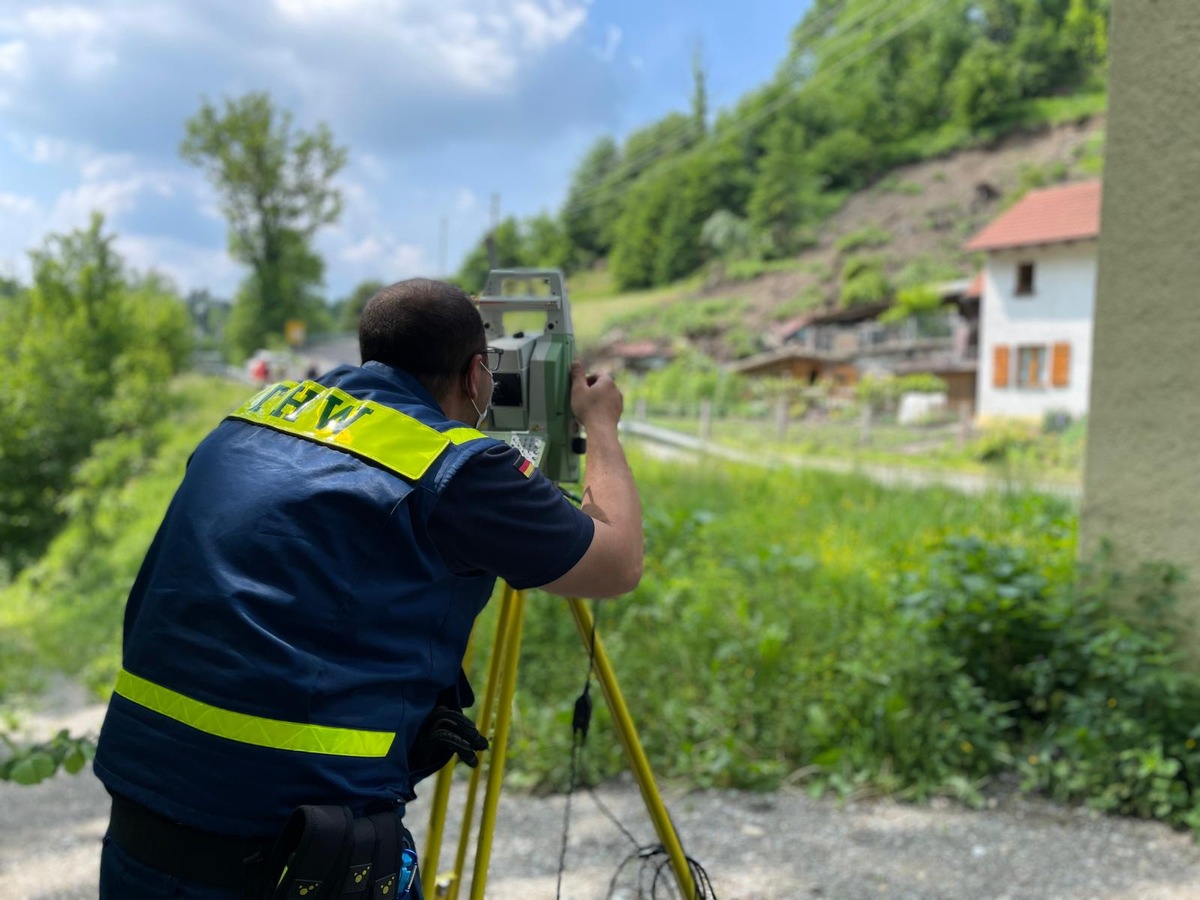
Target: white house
(1039,293)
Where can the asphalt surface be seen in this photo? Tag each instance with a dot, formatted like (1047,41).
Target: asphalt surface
(753,846)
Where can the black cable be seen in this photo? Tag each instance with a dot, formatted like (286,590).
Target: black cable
(581,719)
(654,857)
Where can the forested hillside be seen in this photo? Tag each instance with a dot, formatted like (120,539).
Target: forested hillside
(866,86)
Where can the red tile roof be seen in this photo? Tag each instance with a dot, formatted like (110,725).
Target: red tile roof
(1049,216)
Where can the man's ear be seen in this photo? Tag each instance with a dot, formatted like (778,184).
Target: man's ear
(470,381)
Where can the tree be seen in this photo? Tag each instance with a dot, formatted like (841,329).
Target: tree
(784,192)
(632,261)
(276,189)
(87,348)
(509,252)
(984,84)
(544,243)
(593,201)
(699,94)
(728,236)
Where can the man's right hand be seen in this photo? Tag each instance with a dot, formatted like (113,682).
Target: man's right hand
(612,564)
(596,400)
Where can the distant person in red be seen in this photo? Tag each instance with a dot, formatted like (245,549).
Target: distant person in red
(259,372)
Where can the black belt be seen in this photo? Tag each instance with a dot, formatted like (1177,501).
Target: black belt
(185,852)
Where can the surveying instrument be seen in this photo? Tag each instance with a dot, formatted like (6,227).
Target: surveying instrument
(531,412)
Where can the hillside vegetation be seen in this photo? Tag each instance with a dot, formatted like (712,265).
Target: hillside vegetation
(903,232)
(866,87)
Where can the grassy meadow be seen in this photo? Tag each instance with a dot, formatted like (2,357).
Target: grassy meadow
(792,628)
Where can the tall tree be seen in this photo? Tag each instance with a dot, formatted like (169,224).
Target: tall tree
(785,189)
(593,201)
(699,92)
(276,189)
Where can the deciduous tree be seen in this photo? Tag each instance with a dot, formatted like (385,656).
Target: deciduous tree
(276,188)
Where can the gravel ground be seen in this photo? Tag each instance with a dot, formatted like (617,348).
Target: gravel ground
(754,846)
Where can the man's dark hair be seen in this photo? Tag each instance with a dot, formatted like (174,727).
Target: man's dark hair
(428,328)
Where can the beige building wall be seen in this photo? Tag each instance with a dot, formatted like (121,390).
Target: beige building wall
(1142,477)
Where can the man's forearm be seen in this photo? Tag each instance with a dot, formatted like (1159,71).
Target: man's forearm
(609,493)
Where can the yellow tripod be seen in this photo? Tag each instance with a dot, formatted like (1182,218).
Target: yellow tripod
(497,703)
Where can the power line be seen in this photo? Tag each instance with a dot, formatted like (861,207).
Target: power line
(632,168)
(839,65)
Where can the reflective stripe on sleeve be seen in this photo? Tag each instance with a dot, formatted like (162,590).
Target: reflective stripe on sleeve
(463,435)
(274,733)
(367,429)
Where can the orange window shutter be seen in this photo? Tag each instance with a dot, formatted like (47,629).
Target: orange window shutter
(1060,367)
(1000,369)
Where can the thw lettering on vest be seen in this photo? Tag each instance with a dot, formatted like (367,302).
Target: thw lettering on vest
(340,421)
(332,405)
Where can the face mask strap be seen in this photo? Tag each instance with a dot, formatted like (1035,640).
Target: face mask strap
(487,406)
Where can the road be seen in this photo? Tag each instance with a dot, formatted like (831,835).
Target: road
(908,476)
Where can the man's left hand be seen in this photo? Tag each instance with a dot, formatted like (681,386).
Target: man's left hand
(444,733)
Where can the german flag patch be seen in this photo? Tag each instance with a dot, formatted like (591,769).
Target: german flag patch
(525,467)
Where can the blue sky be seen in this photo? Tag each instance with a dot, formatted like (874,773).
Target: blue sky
(440,102)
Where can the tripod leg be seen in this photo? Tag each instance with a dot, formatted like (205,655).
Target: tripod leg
(437,823)
(634,753)
(491,798)
(441,800)
(496,664)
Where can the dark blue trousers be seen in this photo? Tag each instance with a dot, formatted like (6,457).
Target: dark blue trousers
(124,878)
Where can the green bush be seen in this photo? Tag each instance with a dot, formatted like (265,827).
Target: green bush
(864,281)
(1104,708)
(787,652)
(863,238)
(63,613)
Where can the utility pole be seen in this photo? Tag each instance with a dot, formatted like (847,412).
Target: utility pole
(443,233)
(491,237)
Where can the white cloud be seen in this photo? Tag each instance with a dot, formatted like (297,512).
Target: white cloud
(14,66)
(50,150)
(14,59)
(368,250)
(17,205)
(78,33)
(189,266)
(439,101)
(546,24)
(406,261)
(62,21)
(477,45)
(74,207)
(113,185)
(465,201)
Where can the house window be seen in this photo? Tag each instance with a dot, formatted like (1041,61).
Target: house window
(1060,366)
(1031,367)
(1024,279)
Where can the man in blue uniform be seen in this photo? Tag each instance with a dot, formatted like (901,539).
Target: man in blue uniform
(301,616)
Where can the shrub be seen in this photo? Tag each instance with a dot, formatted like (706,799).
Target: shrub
(863,238)
(863,281)
(1102,707)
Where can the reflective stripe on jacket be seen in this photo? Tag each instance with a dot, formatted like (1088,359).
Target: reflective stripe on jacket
(292,623)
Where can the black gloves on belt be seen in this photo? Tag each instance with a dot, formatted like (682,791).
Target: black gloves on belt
(444,733)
